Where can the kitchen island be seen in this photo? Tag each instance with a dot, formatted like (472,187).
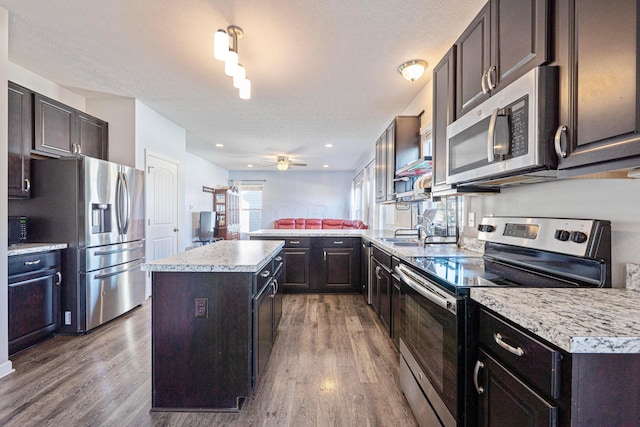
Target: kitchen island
(214,316)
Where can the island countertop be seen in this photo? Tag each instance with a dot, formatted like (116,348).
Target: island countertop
(223,256)
(576,320)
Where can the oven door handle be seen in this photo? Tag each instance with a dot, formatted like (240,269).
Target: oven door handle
(425,292)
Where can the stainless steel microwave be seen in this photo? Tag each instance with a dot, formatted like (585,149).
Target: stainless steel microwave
(508,139)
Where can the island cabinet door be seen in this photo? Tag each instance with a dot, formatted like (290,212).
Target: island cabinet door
(263,335)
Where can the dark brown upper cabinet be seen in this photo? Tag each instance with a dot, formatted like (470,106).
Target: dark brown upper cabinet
(54,127)
(597,50)
(62,131)
(93,135)
(20,139)
(443,113)
(504,41)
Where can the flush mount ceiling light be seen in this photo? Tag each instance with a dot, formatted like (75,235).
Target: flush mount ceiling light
(229,54)
(412,70)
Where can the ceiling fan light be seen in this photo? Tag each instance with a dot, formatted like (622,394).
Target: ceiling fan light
(231,63)
(245,89)
(412,70)
(283,166)
(239,77)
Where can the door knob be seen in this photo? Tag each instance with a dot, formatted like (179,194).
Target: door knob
(176,229)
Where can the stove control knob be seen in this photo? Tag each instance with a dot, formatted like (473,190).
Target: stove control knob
(562,235)
(578,237)
(487,228)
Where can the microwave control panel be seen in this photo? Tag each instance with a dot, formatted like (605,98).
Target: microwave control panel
(519,126)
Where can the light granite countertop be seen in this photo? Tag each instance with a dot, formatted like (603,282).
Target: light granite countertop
(375,236)
(576,320)
(229,256)
(32,248)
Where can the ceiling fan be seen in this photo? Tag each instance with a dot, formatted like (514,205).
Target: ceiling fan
(283,163)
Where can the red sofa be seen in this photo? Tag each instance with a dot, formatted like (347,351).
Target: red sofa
(316,223)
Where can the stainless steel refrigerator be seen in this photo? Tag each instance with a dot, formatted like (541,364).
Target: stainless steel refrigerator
(97,208)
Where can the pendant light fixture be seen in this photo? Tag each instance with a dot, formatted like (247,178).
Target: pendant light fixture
(412,70)
(222,52)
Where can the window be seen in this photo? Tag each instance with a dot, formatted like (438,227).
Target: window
(250,207)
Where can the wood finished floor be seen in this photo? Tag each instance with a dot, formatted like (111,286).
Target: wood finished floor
(332,365)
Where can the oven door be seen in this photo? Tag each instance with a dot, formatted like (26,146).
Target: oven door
(429,342)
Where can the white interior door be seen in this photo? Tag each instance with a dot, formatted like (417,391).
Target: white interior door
(162,209)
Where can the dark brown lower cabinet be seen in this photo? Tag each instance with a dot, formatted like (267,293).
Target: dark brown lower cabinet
(33,298)
(396,310)
(296,276)
(507,401)
(522,380)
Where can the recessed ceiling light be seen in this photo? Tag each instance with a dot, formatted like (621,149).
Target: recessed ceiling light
(249,166)
(328,145)
(219,145)
(325,166)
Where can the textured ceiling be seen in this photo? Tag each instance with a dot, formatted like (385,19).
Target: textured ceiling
(322,72)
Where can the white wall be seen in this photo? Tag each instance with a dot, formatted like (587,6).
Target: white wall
(5,363)
(201,173)
(121,115)
(616,200)
(299,194)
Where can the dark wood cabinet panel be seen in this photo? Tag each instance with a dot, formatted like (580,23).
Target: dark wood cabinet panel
(263,340)
(599,86)
(55,130)
(443,112)
(381,282)
(93,135)
(396,310)
(338,267)
(473,52)
(33,298)
(296,268)
(507,401)
(381,168)
(504,41)
(20,139)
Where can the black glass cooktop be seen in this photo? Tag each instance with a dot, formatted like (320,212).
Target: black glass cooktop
(458,275)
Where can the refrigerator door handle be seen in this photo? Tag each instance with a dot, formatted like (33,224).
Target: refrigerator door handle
(107,275)
(119,203)
(126,199)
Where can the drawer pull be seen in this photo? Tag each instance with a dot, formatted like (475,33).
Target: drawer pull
(476,370)
(294,242)
(278,258)
(265,273)
(517,351)
(36,262)
(338,242)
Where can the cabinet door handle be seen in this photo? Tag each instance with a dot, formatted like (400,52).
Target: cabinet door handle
(560,142)
(59,277)
(27,184)
(36,262)
(476,370)
(338,242)
(513,350)
(483,82)
(325,255)
(265,273)
(490,82)
(378,272)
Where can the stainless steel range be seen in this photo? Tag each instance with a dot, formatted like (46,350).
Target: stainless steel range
(437,333)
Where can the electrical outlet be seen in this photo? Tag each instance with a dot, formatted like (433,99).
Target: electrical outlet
(471,221)
(202,308)
(67,317)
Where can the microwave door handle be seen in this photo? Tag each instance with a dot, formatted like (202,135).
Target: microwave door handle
(491,135)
